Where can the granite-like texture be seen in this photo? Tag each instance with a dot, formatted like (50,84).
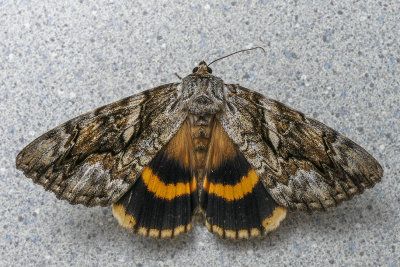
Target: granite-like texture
(338,61)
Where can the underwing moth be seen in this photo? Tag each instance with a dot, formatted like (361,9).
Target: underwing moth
(230,156)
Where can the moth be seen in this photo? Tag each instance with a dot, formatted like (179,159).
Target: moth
(233,158)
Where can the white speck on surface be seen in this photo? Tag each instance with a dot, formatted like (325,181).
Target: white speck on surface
(248,46)
(60,93)
(250,252)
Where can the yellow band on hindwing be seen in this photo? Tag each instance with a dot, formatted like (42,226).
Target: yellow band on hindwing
(233,192)
(166,191)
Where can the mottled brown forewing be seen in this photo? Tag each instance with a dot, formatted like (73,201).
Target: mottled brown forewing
(95,158)
(303,163)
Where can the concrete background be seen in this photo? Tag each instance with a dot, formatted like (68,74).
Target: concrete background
(338,61)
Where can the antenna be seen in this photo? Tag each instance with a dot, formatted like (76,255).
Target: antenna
(243,50)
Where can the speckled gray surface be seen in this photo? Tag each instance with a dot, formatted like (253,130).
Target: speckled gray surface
(338,61)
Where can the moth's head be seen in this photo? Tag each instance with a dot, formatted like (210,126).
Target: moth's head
(202,92)
(202,69)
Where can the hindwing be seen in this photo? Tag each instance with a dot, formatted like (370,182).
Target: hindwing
(233,197)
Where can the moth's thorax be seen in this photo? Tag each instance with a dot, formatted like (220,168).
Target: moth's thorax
(203,94)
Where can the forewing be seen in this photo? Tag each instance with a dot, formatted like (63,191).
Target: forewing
(95,158)
(303,163)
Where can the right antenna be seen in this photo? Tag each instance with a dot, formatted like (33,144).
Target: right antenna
(244,50)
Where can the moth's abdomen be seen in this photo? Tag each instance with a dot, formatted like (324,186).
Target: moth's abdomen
(200,131)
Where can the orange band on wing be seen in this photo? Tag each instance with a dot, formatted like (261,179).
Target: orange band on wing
(167,191)
(233,192)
